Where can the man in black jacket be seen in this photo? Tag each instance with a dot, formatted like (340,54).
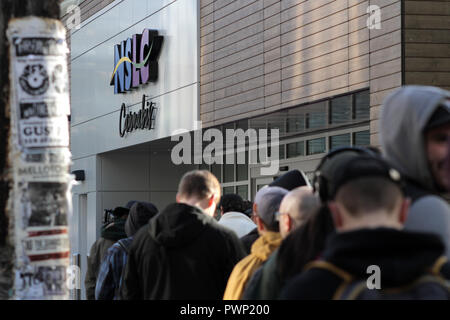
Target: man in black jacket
(369,210)
(183,253)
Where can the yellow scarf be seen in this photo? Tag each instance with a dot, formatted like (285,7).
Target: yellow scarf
(243,271)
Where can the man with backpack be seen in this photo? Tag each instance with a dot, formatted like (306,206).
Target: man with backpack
(109,277)
(371,257)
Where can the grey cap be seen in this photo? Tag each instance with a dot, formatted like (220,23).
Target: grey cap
(268,201)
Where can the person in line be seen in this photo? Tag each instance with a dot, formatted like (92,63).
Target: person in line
(369,210)
(297,207)
(110,233)
(109,277)
(414,131)
(183,253)
(289,181)
(232,216)
(267,203)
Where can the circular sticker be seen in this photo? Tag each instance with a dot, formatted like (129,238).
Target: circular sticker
(34,79)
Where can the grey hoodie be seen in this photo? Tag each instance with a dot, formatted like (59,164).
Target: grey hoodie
(404,117)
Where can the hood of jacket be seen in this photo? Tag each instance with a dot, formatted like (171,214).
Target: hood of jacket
(402,256)
(115,230)
(178,225)
(140,214)
(238,222)
(404,117)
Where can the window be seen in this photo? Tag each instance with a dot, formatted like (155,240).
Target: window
(216,169)
(228,190)
(362,105)
(295,149)
(242,191)
(296,123)
(341,110)
(281,153)
(342,140)
(316,120)
(362,138)
(228,173)
(316,146)
(242,169)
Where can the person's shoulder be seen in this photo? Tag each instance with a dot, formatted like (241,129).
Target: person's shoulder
(428,209)
(433,202)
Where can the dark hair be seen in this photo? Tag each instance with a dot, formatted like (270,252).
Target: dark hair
(366,195)
(199,183)
(305,243)
(231,202)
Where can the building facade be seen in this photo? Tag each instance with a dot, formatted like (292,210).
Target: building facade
(316,70)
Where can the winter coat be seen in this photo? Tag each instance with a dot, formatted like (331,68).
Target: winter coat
(404,117)
(266,283)
(109,235)
(402,256)
(109,277)
(238,222)
(249,239)
(181,254)
(261,251)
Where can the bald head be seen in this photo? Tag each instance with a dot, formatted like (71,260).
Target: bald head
(296,206)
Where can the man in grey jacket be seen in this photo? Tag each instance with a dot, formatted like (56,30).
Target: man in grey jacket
(414,131)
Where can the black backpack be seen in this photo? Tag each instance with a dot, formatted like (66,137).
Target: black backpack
(430,286)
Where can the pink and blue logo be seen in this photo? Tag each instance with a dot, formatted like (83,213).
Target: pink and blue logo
(136,61)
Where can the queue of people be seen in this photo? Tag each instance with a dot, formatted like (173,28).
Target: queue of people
(374,225)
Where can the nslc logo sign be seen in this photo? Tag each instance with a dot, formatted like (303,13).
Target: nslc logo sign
(136,61)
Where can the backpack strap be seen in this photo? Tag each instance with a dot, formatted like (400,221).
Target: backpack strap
(437,266)
(344,275)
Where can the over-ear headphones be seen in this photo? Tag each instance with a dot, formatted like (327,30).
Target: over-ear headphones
(320,182)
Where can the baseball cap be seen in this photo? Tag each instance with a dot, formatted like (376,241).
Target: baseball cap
(268,201)
(364,166)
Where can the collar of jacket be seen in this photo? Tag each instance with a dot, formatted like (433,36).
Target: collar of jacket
(266,244)
(401,255)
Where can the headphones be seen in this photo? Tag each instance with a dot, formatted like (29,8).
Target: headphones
(320,183)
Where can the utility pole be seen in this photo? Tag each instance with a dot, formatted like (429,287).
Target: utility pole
(35,185)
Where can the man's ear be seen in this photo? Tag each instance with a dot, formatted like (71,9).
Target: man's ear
(260,224)
(177,198)
(211,200)
(288,222)
(404,209)
(336,214)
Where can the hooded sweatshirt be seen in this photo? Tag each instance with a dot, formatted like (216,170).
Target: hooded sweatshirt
(404,117)
(267,243)
(402,257)
(238,222)
(181,254)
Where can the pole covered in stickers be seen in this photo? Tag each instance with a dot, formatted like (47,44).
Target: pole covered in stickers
(40,158)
